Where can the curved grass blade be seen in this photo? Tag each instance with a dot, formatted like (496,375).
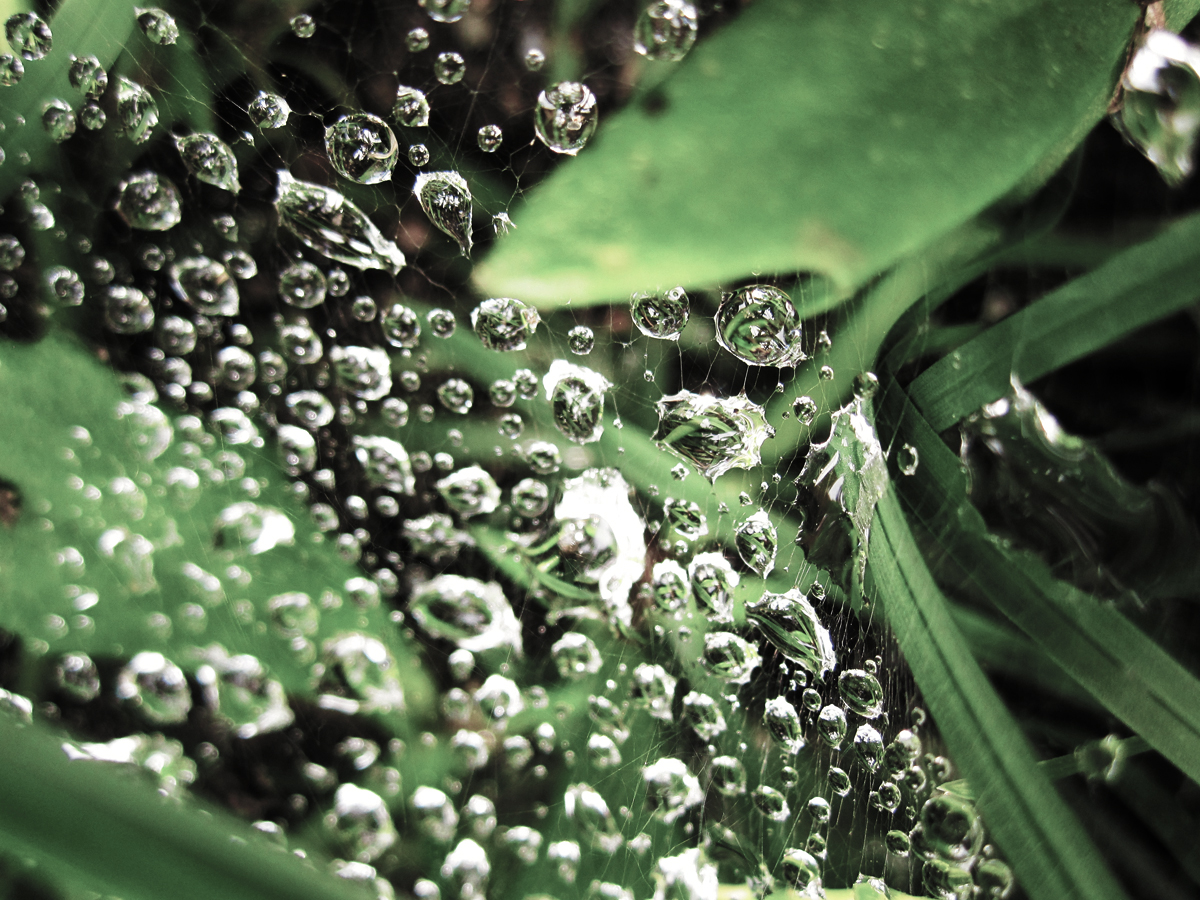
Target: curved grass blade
(1050,853)
(1110,657)
(807,138)
(102,831)
(1136,287)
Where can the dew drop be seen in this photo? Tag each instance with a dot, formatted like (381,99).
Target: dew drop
(760,326)
(566,117)
(362,148)
(29,35)
(149,202)
(209,159)
(446,200)
(666,30)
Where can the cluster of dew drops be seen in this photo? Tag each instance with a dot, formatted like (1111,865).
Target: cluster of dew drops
(584,531)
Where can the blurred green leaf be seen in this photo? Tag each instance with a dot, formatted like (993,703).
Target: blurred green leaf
(818,137)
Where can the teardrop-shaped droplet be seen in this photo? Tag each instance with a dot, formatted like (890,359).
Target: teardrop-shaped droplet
(566,117)
(756,542)
(790,623)
(137,111)
(771,803)
(713,581)
(411,107)
(159,26)
(1160,109)
(325,221)
(831,723)
(209,159)
(861,692)
(714,435)
(446,199)
(783,721)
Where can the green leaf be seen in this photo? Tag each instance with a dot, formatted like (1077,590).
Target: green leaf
(81,27)
(1136,287)
(51,389)
(1049,851)
(1089,639)
(98,829)
(817,137)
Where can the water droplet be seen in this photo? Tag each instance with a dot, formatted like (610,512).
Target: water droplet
(760,326)
(149,202)
(802,871)
(866,384)
(907,459)
(670,789)
(505,324)
(839,781)
(730,657)
(417,40)
(869,746)
(445,10)
(534,59)
(950,829)
(411,107)
(157,687)
(137,111)
(435,813)
(362,148)
(1160,101)
(783,721)
(87,76)
(365,666)
(252,529)
(303,26)
(268,110)
(728,775)
(661,315)
(862,692)
(653,689)
(489,138)
(325,221)
(301,343)
(29,35)
(790,623)
(159,26)
(360,821)
(684,877)
(12,254)
(470,492)
(703,714)
(530,497)
(456,395)
(238,691)
(713,435)
(58,120)
(449,68)
(127,310)
(756,542)
(581,340)
(666,30)
(831,724)
(575,655)
(467,868)
(205,285)
(771,803)
(385,463)
(365,372)
(576,396)
(473,614)
(446,199)
(209,159)
(669,585)
(12,70)
(713,581)
(566,117)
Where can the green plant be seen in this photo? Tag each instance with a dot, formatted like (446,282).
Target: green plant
(253,465)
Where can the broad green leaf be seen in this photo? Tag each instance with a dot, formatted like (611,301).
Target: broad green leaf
(1136,287)
(98,28)
(1089,639)
(1049,851)
(830,138)
(82,472)
(99,830)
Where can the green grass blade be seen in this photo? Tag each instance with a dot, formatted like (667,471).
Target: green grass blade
(1095,644)
(1136,287)
(1050,853)
(104,831)
(81,27)
(810,138)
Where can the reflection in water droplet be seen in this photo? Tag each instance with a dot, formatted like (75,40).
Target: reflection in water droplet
(365,372)
(730,657)
(159,26)
(361,822)
(713,435)
(470,491)
(790,623)
(445,10)
(325,221)
(861,692)
(209,159)
(756,542)
(149,202)
(760,326)
(505,324)
(666,30)
(783,721)
(1160,110)
(831,723)
(157,687)
(576,396)
(269,110)
(566,117)
(473,614)
(446,199)
(205,285)
(127,310)
(252,529)
(771,803)
(29,35)
(661,315)
(137,111)
(362,148)
(670,789)
(449,68)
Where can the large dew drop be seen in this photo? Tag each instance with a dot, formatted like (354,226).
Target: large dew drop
(576,396)
(666,30)
(790,623)
(713,435)
(137,111)
(446,199)
(209,159)
(328,223)
(29,35)
(474,615)
(362,148)
(504,323)
(1160,112)
(566,117)
(760,326)
(661,315)
(149,202)
(783,721)
(756,541)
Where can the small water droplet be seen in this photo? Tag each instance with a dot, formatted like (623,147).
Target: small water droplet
(666,30)
(446,200)
(362,148)
(566,117)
